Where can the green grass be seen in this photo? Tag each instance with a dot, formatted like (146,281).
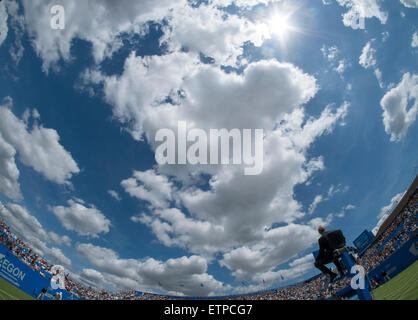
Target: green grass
(10,292)
(403,287)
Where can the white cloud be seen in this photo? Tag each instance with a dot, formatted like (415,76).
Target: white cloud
(91,278)
(144,83)
(37,147)
(114,195)
(368,56)
(410,3)
(280,245)
(9,173)
(317,200)
(350,207)
(414,42)
(343,211)
(333,190)
(385,36)
(17,24)
(150,187)
(212,32)
(30,229)
(298,267)
(341,67)
(241,3)
(183,275)
(397,118)
(330,53)
(379,76)
(86,221)
(368,60)
(101,26)
(321,221)
(140,105)
(387,210)
(3,23)
(362,9)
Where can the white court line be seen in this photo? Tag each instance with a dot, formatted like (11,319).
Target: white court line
(8,294)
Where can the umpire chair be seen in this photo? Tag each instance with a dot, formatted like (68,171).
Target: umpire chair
(345,253)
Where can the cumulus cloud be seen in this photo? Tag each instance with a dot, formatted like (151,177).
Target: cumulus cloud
(210,31)
(91,278)
(159,77)
(30,229)
(226,217)
(362,9)
(86,221)
(141,106)
(102,26)
(297,268)
(37,147)
(237,208)
(397,117)
(281,244)
(185,275)
(150,187)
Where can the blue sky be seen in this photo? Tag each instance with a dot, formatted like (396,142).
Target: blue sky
(80,108)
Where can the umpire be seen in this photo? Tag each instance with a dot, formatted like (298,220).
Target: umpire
(326,255)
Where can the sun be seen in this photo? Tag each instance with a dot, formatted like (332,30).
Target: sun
(279,24)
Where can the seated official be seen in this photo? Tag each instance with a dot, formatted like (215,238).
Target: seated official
(326,255)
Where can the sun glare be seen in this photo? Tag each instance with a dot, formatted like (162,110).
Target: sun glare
(279,25)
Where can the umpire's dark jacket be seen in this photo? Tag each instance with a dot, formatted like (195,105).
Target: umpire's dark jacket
(325,251)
